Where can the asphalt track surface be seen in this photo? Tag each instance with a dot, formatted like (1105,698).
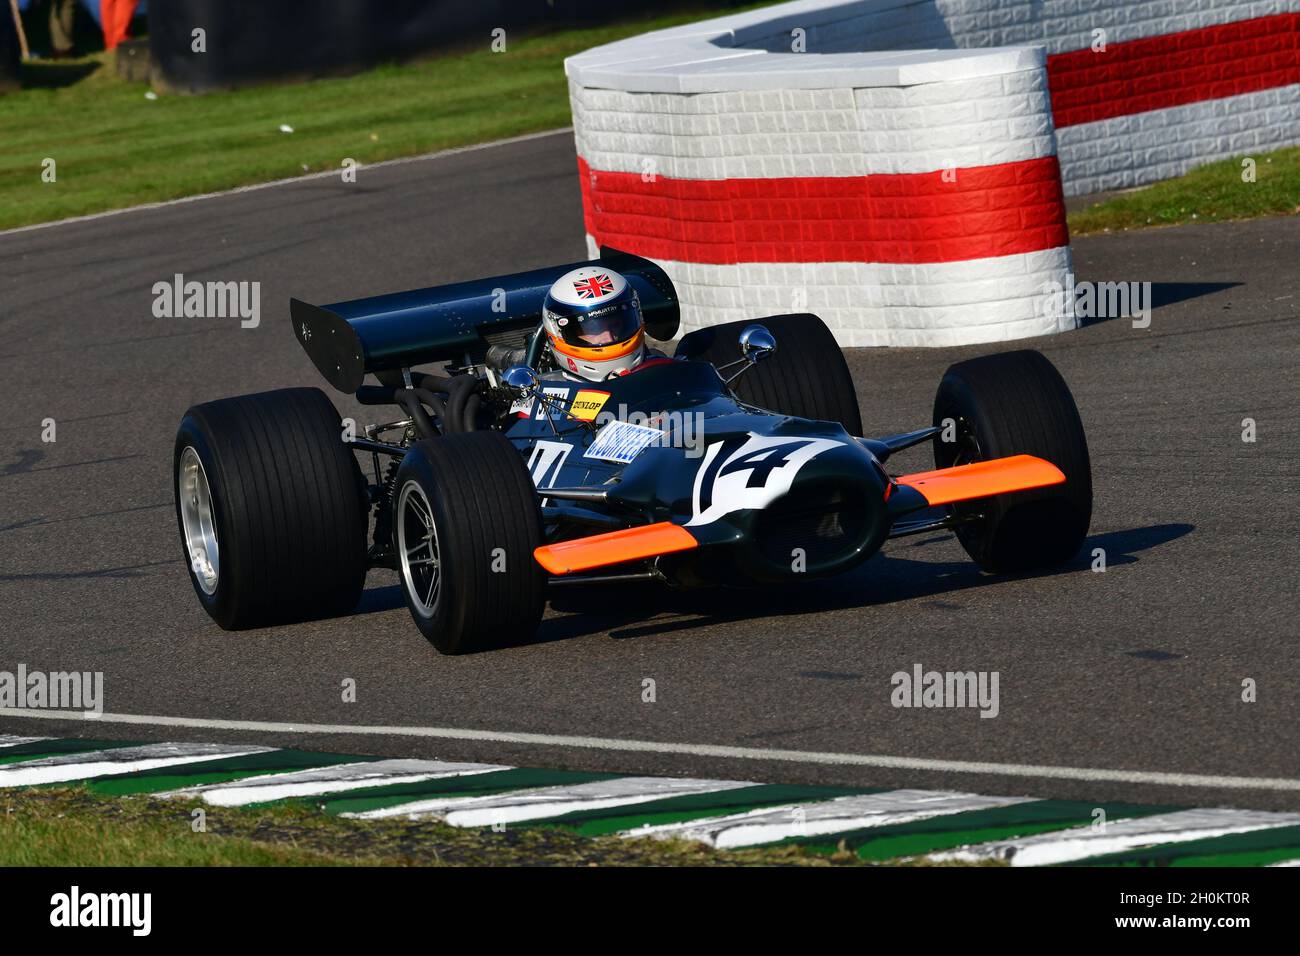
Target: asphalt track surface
(1139,668)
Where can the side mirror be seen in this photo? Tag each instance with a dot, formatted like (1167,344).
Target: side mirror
(520,377)
(756,343)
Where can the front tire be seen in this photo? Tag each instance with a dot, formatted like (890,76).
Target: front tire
(465,524)
(1016,403)
(807,377)
(271,508)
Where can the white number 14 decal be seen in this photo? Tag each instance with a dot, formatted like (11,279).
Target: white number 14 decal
(749,472)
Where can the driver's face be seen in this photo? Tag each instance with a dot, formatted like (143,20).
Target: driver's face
(599,338)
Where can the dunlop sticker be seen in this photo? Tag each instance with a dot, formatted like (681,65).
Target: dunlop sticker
(586,405)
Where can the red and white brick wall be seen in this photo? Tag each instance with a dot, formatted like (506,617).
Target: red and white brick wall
(1222,83)
(909,198)
(1179,82)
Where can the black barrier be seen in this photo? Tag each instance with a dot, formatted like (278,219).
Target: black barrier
(251,41)
(10,52)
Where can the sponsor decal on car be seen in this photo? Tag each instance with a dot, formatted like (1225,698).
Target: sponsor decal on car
(622,441)
(545,462)
(586,405)
(523,407)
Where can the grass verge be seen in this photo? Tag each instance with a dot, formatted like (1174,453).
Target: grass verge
(71,826)
(113,147)
(1212,193)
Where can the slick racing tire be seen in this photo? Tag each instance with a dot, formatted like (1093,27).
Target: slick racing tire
(465,524)
(272,508)
(807,377)
(1016,403)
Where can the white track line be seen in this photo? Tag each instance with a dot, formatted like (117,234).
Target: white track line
(830,816)
(543,802)
(695,750)
(9,740)
(1286,863)
(1063,846)
(336,779)
(325,174)
(104,763)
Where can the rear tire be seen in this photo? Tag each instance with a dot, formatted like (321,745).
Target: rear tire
(807,377)
(1016,403)
(466,502)
(276,508)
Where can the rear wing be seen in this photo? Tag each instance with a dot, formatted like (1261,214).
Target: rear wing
(346,340)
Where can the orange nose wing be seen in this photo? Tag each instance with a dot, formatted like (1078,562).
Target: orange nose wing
(614,547)
(983,479)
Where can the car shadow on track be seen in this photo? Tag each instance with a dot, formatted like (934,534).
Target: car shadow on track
(1169,293)
(375,599)
(624,611)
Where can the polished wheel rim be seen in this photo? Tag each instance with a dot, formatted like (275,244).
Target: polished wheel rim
(417,546)
(197,521)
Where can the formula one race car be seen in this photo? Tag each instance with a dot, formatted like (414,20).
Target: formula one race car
(737,462)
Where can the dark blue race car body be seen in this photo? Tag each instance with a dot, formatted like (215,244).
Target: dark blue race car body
(735,462)
(715,468)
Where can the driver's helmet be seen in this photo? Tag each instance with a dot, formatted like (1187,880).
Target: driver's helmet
(593,319)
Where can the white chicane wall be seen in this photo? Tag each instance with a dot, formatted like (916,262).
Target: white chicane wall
(910,196)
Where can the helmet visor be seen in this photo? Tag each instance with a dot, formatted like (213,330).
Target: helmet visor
(599,328)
